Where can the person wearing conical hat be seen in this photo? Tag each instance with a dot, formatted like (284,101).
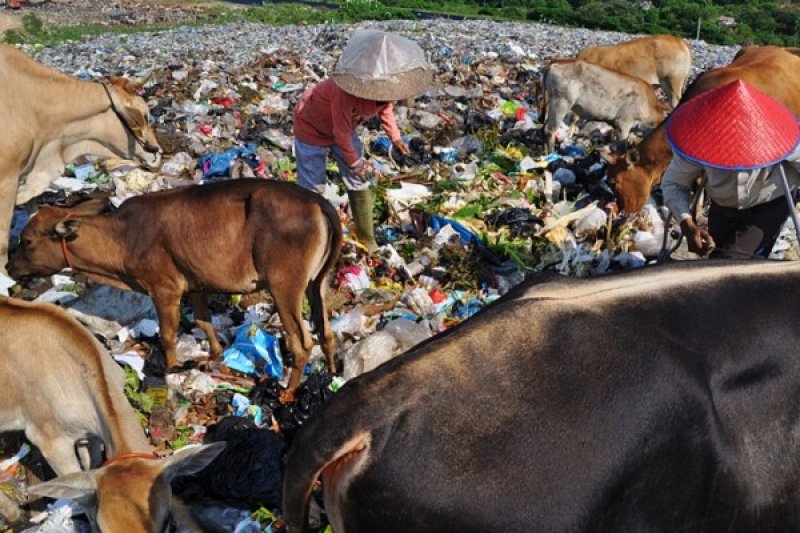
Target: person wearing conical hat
(738,138)
(374,70)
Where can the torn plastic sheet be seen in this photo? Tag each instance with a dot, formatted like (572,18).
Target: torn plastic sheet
(254,351)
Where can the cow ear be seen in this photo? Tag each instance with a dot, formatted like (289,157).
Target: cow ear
(95,206)
(67,228)
(632,157)
(121,82)
(75,486)
(191,459)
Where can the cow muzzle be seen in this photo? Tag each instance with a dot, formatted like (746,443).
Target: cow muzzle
(151,159)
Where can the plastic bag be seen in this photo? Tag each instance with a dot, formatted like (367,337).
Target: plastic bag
(254,350)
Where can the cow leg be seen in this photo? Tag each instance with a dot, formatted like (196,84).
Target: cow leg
(8,195)
(168,309)
(57,447)
(289,301)
(573,124)
(326,337)
(202,317)
(556,112)
(673,87)
(624,128)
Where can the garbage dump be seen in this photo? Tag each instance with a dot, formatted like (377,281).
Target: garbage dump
(476,205)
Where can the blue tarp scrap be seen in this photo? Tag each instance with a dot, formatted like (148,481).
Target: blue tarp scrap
(436,223)
(254,351)
(218,164)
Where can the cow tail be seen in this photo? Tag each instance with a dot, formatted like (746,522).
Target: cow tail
(543,101)
(318,283)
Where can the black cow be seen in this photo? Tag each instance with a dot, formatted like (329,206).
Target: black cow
(666,399)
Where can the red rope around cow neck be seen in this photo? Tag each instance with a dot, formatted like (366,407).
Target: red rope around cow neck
(125,456)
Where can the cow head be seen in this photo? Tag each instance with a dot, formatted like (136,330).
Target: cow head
(132,116)
(629,180)
(133,495)
(40,251)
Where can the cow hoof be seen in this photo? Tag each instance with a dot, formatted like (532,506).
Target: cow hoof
(287,396)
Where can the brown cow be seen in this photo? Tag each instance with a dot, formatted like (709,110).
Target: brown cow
(657,59)
(770,69)
(592,92)
(49,119)
(229,237)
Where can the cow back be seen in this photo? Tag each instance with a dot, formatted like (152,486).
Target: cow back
(663,399)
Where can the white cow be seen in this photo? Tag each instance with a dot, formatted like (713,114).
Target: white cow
(592,92)
(58,385)
(49,119)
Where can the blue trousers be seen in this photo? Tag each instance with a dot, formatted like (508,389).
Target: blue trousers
(312,160)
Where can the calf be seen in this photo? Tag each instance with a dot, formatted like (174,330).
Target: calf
(132,494)
(592,92)
(232,237)
(659,400)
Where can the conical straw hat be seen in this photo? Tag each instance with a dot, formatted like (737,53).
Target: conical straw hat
(382,66)
(735,127)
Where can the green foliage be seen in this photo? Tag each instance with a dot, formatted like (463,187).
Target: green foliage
(756,21)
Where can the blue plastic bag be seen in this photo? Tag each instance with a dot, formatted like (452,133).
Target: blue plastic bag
(254,351)
(218,164)
(436,223)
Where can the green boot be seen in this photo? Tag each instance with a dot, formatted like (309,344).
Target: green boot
(361,208)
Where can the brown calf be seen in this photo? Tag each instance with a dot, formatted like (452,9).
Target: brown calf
(133,494)
(228,237)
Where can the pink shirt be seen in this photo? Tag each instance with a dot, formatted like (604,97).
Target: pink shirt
(328,115)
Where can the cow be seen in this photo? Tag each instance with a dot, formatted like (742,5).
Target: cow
(770,69)
(50,119)
(132,494)
(235,236)
(663,399)
(59,386)
(596,93)
(661,60)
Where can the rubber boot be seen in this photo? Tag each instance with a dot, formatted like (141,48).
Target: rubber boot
(361,203)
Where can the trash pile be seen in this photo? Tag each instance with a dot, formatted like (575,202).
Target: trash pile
(476,206)
(114,13)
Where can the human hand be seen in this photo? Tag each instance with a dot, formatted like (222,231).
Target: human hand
(698,239)
(363,170)
(401,147)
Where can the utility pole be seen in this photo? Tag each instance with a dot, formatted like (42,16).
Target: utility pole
(697,37)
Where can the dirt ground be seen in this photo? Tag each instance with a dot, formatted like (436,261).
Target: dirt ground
(9,21)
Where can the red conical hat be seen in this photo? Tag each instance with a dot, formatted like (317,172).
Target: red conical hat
(735,126)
